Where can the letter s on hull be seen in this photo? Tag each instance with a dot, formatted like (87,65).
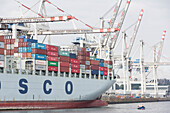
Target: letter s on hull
(24,87)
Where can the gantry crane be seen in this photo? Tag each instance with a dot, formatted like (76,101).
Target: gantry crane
(119,26)
(112,21)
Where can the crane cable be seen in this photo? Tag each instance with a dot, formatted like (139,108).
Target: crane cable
(68,13)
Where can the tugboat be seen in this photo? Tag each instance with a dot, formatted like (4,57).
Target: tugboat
(141,107)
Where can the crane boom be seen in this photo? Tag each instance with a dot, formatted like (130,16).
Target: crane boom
(73,31)
(35,19)
(132,40)
(112,21)
(161,46)
(119,26)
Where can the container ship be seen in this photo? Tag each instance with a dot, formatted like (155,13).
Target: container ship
(35,75)
(42,76)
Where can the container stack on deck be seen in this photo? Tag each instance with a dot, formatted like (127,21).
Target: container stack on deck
(51,57)
(1,51)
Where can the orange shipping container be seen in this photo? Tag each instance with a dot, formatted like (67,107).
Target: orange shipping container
(28,55)
(94,62)
(24,55)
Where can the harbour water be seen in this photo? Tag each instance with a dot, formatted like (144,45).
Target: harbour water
(153,107)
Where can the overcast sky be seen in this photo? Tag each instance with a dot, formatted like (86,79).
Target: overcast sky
(156,19)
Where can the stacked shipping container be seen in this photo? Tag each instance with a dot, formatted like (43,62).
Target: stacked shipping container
(52,56)
(1,51)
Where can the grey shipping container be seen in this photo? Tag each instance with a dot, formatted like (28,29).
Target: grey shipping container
(87,62)
(1,44)
(1,57)
(40,67)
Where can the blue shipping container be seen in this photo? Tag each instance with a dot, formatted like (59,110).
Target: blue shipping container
(24,49)
(34,41)
(25,40)
(21,36)
(97,59)
(102,60)
(38,56)
(28,49)
(38,46)
(101,72)
(28,44)
(20,49)
(95,72)
(72,55)
(101,64)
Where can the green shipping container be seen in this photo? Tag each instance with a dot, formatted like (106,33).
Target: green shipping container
(64,53)
(92,58)
(52,63)
(110,66)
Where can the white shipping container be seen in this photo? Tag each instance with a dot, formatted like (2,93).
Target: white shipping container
(8,46)
(1,63)
(87,71)
(82,66)
(1,57)
(87,62)
(16,44)
(12,46)
(16,54)
(40,62)
(1,44)
(40,67)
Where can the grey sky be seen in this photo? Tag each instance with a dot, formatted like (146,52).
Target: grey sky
(156,17)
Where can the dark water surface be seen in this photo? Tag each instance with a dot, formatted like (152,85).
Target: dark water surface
(153,107)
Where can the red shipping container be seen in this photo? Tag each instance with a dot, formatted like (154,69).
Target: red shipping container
(8,52)
(108,62)
(21,40)
(64,59)
(1,51)
(12,41)
(87,67)
(5,47)
(50,53)
(75,66)
(83,62)
(88,54)
(1,38)
(94,62)
(94,67)
(52,48)
(12,52)
(38,51)
(105,73)
(83,49)
(81,57)
(101,68)
(74,61)
(87,58)
(64,64)
(75,70)
(24,44)
(81,53)
(52,58)
(7,41)
(28,55)
(20,44)
(52,68)
(15,49)
(64,69)
(105,68)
